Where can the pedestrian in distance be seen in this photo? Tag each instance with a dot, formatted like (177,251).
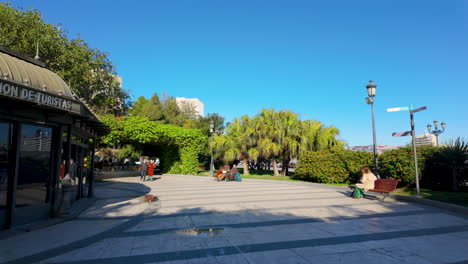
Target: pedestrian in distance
(151,166)
(144,169)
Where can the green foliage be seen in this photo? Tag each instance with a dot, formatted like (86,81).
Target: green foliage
(399,163)
(454,157)
(341,166)
(180,146)
(129,151)
(273,136)
(88,71)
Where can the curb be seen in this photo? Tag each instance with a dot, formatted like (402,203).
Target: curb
(441,205)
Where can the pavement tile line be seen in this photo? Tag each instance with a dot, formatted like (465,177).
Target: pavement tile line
(278,223)
(273,246)
(278,191)
(163,216)
(163,197)
(260,201)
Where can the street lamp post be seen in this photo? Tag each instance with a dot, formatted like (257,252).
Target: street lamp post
(211,148)
(371,89)
(436,132)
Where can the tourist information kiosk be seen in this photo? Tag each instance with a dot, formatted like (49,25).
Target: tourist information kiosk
(44,135)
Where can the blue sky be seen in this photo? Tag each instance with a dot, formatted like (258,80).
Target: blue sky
(312,57)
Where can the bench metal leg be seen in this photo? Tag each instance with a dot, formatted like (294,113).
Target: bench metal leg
(385,195)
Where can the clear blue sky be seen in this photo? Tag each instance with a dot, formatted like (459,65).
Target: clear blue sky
(312,57)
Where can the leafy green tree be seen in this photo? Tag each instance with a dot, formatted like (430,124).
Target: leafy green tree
(153,109)
(88,71)
(137,108)
(171,112)
(203,123)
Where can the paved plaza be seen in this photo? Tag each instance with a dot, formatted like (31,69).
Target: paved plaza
(197,220)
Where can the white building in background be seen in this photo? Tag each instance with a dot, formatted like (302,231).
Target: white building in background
(194,103)
(118,79)
(369,148)
(426,139)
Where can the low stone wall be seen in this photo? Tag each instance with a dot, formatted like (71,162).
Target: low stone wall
(115,174)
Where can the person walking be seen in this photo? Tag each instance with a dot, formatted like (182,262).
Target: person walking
(150,170)
(144,169)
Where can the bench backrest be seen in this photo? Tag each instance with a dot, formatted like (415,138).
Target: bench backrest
(386,184)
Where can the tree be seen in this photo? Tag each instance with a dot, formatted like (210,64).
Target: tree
(454,156)
(273,136)
(171,112)
(239,143)
(266,127)
(137,108)
(88,71)
(203,123)
(315,136)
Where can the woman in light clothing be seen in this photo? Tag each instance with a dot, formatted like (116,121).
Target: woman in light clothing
(367,183)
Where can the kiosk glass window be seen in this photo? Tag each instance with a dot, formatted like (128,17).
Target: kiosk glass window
(4,149)
(34,165)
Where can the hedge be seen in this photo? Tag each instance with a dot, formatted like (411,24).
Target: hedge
(340,166)
(399,163)
(343,166)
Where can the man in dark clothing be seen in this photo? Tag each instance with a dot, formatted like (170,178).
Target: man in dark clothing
(143,169)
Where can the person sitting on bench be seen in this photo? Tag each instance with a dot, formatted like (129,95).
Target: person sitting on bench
(232,173)
(366,183)
(224,172)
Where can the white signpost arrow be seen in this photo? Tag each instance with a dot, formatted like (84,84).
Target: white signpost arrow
(402,134)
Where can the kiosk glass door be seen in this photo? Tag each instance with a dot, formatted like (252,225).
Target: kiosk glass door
(34,173)
(5,138)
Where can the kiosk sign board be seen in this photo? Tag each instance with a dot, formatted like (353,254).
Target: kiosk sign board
(32,95)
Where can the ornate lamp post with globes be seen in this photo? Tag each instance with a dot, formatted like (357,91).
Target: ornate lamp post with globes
(371,89)
(436,132)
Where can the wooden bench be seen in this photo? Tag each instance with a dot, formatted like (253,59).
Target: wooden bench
(384,187)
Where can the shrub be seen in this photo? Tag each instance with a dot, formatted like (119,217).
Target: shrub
(454,158)
(341,166)
(399,163)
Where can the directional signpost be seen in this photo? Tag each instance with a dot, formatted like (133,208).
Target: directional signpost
(407,133)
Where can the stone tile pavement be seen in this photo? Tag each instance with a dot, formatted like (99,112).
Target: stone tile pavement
(198,220)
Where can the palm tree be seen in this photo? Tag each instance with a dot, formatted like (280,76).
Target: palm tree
(315,136)
(279,137)
(454,156)
(289,138)
(266,127)
(238,143)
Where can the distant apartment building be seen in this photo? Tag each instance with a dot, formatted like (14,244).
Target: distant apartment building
(118,79)
(369,148)
(193,103)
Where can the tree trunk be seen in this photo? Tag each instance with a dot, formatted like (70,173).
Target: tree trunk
(285,168)
(245,162)
(275,168)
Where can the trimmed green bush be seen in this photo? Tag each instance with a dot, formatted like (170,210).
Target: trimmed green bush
(399,163)
(341,166)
